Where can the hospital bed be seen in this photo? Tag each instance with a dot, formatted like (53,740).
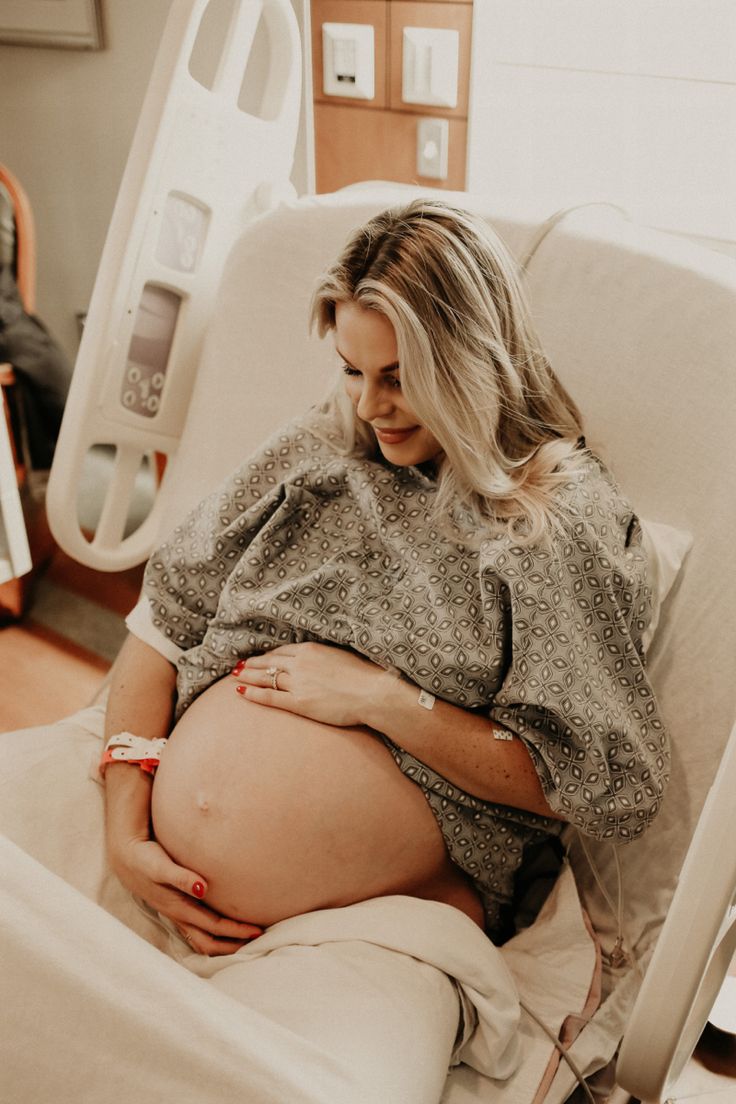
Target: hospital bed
(196,347)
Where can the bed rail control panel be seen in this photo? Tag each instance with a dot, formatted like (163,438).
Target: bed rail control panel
(201,167)
(149,350)
(679,990)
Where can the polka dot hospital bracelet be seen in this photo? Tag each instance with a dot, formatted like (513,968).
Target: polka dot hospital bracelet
(124,747)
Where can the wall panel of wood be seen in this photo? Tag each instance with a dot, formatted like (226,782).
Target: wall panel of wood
(380,145)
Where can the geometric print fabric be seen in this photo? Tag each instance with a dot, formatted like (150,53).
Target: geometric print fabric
(302,543)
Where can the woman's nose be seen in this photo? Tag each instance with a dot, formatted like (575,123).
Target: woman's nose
(374,402)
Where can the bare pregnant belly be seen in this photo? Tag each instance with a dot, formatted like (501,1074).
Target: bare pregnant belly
(283,815)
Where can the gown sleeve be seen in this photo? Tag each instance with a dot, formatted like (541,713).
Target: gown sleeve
(576,689)
(185,575)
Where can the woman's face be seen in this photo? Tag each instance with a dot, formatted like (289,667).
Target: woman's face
(366,342)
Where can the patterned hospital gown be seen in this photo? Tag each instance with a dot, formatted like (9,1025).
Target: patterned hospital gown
(302,543)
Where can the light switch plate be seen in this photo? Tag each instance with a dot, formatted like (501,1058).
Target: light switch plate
(433,139)
(348,60)
(430,60)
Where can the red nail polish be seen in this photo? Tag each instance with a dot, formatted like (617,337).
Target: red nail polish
(198,889)
(238,667)
(241,689)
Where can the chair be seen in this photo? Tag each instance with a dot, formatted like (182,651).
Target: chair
(17,251)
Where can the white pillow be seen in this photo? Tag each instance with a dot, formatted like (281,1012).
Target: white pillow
(666,548)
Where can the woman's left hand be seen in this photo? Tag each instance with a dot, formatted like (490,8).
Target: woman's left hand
(320,681)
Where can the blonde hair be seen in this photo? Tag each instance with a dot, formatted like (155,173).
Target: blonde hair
(471,367)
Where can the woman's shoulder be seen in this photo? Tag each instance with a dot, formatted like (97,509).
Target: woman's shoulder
(595,508)
(595,519)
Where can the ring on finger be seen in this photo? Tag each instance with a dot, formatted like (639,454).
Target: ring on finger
(274,672)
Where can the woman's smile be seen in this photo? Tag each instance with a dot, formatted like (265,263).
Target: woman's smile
(393,436)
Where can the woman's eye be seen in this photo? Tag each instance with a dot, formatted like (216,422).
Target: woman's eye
(390,381)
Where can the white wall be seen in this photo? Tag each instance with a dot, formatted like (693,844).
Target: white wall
(632,101)
(66,124)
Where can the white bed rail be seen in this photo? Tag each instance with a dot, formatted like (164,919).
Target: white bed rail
(693,952)
(200,168)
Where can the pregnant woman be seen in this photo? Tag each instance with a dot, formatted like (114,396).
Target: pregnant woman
(401,646)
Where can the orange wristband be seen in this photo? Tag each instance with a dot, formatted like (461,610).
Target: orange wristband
(124,747)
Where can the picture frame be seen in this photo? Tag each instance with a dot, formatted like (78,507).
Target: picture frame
(70,24)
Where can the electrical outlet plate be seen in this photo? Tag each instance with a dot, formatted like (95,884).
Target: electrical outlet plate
(348,60)
(433,139)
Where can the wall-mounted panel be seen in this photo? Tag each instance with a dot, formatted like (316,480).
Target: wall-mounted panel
(369,12)
(434,15)
(382,147)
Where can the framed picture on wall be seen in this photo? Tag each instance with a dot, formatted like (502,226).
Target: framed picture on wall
(75,24)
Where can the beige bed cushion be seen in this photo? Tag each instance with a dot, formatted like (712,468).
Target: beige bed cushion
(666,548)
(642,327)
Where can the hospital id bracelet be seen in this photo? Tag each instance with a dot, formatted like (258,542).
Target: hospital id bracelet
(124,747)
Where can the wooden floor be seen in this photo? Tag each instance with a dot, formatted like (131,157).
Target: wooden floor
(44,675)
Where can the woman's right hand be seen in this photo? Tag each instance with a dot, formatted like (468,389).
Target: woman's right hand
(142,694)
(147,870)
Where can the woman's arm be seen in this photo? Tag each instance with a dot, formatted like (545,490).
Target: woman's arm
(338,687)
(467,749)
(142,702)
